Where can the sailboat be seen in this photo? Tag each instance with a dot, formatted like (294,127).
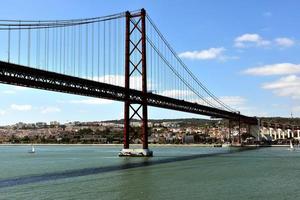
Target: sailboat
(32,149)
(291,146)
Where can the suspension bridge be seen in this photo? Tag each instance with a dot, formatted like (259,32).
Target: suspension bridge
(122,57)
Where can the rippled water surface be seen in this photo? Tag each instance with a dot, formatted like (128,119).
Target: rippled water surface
(95,172)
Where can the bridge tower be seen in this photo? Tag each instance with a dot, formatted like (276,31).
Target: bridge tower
(135,61)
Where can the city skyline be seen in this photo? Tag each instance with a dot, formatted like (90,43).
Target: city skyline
(260,56)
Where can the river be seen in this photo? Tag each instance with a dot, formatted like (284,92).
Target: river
(95,172)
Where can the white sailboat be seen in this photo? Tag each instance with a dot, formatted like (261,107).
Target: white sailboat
(291,146)
(32,149)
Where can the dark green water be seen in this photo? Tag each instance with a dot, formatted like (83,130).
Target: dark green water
(95,172)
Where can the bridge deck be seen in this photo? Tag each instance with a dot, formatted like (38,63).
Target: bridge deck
(35,78)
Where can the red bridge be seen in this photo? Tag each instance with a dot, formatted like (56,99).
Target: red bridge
(122,57)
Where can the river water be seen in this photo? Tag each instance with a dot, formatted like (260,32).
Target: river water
(95,172)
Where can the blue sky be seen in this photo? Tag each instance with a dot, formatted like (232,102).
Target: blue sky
(247,53)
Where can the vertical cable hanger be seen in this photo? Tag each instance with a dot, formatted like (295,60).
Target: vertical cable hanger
(92,51)
(104,52)
(19,44)
(98,55)
(8,45)
(79,51)
(86,50)
(28,46)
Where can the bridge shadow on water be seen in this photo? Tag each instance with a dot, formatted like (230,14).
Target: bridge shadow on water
(145,162)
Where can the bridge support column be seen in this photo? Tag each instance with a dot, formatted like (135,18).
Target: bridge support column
(144,81)
(135,64)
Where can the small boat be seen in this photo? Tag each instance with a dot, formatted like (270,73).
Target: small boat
(227,144)
(32,149)
(291,146)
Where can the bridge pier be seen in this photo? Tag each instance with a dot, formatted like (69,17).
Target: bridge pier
(135,26)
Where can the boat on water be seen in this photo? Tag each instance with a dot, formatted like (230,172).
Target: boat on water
(32,149)
(227,144)
(291,146)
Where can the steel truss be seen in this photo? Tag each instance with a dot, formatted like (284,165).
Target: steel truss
(14,74)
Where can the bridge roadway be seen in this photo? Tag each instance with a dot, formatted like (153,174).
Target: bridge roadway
(35,78)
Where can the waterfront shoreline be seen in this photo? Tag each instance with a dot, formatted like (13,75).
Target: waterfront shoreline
(139,145)
(134,145)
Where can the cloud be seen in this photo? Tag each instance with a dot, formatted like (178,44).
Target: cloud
(233,101)
(249,40)
(20,107)
(274,69)
(2,112)
(20,88)
(119,80)
(50,109)
(12,89)
(255,40)
(176,93)
(9,92)
(284,42)
(286,86)
(93,101)
(208,54)
(240,103)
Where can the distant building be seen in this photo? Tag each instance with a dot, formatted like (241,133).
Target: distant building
(136,124)
(20,125)
(170,124)
(54,123)
(41,124)
(188,139)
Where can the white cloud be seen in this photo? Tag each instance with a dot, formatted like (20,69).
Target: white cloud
(50,109)
(287,86)
(284,42)
(12,89)
(9,92)
(240,103)
(250,39)
(255,40)
(274,69)
(176,93)
(93,101)
(119,80)
(233,101)
(2,112)
(20,107)
(19,88)
(208,54)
